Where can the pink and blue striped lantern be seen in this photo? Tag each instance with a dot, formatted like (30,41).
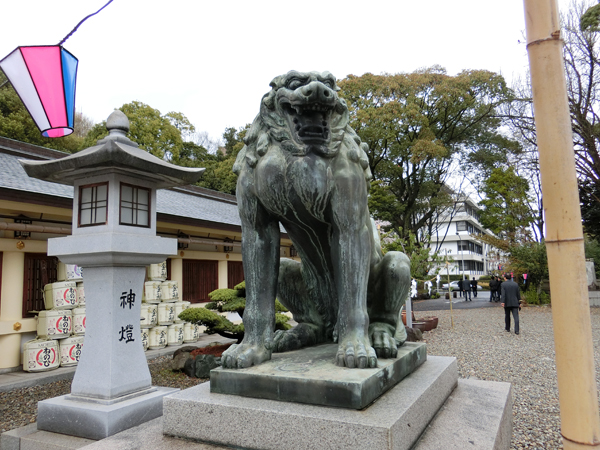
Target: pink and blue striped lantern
(44,77)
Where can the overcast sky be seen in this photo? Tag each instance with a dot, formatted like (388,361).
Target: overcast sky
(213,60)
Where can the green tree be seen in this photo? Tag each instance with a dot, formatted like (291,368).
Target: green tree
(422,128)
(16,123)
(219,174)
(194,155)
(157,134)
(422,261)
(229,300)
(530,258)
(506,209)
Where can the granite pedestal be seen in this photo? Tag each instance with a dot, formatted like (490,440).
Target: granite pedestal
(101,418)
(310,376)
(394,421)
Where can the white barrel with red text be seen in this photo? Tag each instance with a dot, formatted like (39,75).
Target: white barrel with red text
(55,324)
(40,355)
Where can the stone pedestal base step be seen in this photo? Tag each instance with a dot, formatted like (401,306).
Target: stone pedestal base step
(475,415)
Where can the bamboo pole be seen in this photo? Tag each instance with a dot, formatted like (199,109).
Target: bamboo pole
(580,422)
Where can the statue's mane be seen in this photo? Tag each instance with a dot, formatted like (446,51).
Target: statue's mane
(270,128)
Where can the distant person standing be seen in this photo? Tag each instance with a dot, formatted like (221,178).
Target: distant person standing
(467,288)
(493,284)
(510,296)
(474,287)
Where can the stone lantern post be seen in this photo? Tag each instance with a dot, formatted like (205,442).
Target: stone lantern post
(113,239)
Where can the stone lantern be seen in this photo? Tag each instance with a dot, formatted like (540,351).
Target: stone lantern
(113,240)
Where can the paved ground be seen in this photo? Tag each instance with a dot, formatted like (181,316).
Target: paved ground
(441,304)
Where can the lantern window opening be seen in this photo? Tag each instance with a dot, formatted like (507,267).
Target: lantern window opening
(135,206)
(93,205)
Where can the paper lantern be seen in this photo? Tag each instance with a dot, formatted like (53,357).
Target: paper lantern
(44,77)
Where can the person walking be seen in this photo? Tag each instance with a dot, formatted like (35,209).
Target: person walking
(510,297)
(474,287)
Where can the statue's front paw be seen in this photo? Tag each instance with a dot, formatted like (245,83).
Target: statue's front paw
(382,339)
(240,356)
(356,353)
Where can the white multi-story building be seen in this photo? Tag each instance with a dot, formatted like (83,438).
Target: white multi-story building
(455,235)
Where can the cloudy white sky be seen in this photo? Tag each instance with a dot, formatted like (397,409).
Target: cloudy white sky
(213,60)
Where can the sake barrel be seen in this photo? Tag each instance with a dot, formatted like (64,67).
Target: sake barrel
(152,291)
(175,334)
(169,291)
(40,355)
(198,330)
(157,271)
(144,333)
(149,317)
(79,321)
(69,272)
(70,350)
(157,338)
(188,333)
(179,307)
(54,324)
(60,295)
(166,313)
(80,294)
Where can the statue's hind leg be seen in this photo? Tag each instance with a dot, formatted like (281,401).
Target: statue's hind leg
(293,294)
(389,284)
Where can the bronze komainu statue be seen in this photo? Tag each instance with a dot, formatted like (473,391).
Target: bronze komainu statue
(304,167)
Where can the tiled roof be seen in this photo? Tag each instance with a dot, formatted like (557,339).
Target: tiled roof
(177,203)
(13,176)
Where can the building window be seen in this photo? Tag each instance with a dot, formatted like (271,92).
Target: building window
(39,271)
(461,225)
(93,201)
(135,206)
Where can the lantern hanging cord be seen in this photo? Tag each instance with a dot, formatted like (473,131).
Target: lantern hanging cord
(82,20)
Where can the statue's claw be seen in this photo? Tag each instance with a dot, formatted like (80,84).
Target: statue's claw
(240,356)
(353,353)
(382,338)
(302,335)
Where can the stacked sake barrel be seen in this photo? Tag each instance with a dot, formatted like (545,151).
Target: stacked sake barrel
(61,326)
(161,307)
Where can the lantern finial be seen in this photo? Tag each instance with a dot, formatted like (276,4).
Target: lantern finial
(117,123)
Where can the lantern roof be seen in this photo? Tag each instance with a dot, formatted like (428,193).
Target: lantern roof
(114,153)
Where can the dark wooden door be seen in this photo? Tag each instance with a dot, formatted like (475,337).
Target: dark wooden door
(235,273)
(40,270)
(199,278)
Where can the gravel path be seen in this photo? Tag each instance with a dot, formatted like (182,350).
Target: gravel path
(478,341)
(485,351)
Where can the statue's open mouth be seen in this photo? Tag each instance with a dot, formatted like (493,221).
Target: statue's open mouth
(310,122)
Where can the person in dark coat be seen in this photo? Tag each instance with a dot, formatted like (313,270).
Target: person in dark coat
(510,297)
(467,288)
(474,286)
(493,284)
